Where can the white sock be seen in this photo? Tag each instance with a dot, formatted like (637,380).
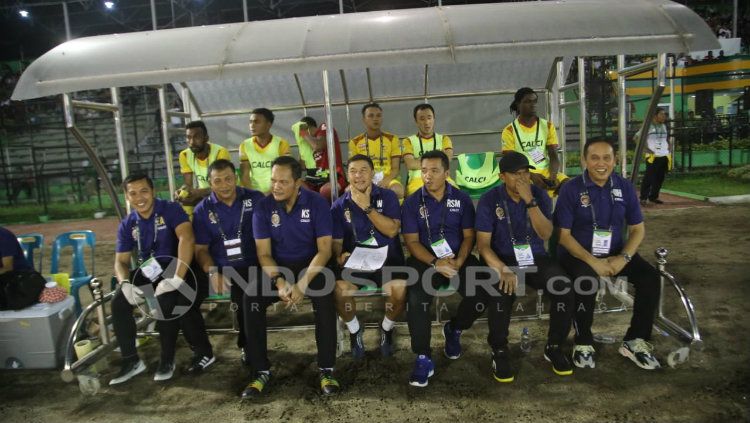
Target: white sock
(387,324)
(353,325)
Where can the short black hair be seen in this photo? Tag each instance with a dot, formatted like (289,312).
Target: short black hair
(264,112)
(220,164)
(423,106)
(597,141)
(309,121)
(197,124)
(359,157)
(520,94)
(290,162)
(133,177)
(437,154)
(368,105)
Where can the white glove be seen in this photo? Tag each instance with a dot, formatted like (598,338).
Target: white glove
(131,292)
(168,285)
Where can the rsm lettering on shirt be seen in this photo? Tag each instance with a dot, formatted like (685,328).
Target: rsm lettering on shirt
(453,205)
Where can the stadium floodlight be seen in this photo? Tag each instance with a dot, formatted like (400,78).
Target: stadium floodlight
(109,4)
(24,13)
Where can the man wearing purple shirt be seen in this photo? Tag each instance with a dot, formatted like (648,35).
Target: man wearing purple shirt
(11,253)
(224,244)
(161,236)
(438,227)
(292,228)
(367,216)
(591,212)
(512,223)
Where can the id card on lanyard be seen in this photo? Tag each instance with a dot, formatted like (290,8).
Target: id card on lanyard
(522,251)
(369,242)
(537,155)
(150,267)
(232,246)
(601,241)
(441,248)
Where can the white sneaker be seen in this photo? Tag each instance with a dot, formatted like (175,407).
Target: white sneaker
(583,356)
(640,352)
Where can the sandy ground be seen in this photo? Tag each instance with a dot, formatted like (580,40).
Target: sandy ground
(707,255)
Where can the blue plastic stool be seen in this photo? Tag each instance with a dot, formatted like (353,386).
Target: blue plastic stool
(79,275)
(29,243)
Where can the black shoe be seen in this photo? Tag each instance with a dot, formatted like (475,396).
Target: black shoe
(501,366)
(129,369)
(644,203)
(165,371)
(199,364)
(255,388)
(386,342)
(357,343)
(560,363)
(328,384)
(656,201)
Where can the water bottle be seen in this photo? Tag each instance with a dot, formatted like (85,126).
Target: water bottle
(525,340)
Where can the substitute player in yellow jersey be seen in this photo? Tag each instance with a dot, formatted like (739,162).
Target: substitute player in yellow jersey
(194,163)
(426,139)
(258,151)
(382,147)
(535,138)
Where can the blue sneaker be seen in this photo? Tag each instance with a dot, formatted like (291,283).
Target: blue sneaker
(452,342)
(357,343)
(423,370)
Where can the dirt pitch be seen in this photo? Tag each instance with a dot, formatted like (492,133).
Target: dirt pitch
(709,248)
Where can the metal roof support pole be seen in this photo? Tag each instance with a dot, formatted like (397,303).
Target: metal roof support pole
(346,103)
(165,138)
(194,111)
(330,140)
(91,153)
(426,81)
(186,103)
(661,82)
(122,153)
(301,94)
(671,72)
(561,122)
(244,10)
(369,84)
(582,99)
(622,116)
(66,17)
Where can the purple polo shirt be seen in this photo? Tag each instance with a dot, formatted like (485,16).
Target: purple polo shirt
(493,217)
(385,202)
(615,205)
(211,213)
(165,218)
(9,247)
(293,235)
(455,205)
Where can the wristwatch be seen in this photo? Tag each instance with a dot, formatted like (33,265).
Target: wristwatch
(275,278)
(531,203)
(367,209)
(627,257)
(432,263)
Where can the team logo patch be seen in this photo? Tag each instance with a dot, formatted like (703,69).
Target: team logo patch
(159,220)
(134,232)
(275,219)
(423,212)
(212,217)
(347,216)
(585,200)
(500,213)
(617,192)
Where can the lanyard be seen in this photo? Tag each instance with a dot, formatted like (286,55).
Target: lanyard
(138,236)
(367,145)
(354,227)
(591,203)
(421,148)
(427,216)
(510,224)
(239,226)
(518,135)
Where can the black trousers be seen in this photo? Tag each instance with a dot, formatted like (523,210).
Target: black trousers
(420,295)
(549,277)
(238,277)
(175,317)
(644,278)
(654,178)
(262,293)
